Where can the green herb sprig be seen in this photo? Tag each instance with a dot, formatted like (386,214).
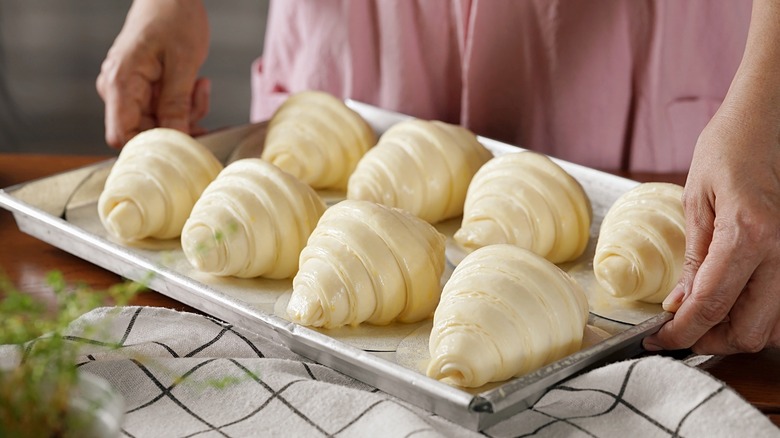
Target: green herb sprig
(35,389)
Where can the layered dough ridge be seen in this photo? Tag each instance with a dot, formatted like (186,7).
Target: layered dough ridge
(641,245)
(318,139)
(252,221)
(154,184)
(423,167)
(365,262)
(526,199)
(504,312)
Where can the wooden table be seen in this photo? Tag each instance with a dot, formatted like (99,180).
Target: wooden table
(25,260)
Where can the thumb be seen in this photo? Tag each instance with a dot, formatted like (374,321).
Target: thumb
(699,228)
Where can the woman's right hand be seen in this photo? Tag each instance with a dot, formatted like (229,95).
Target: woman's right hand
(149,77)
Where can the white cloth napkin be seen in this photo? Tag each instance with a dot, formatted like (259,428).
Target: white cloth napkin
(185,375)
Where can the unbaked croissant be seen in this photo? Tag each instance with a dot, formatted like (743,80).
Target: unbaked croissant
(526,199)
(423,167)
(366,262)
(252,221)
(154,183)
(318,139)
(641,245)
(504,312)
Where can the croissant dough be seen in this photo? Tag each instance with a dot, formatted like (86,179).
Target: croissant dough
(423,167)
(641,247)
(318,139)
(366,262)
(504,312)
(154,183)
(253,220)
(526,199)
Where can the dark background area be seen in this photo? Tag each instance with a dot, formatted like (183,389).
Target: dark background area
(50,56)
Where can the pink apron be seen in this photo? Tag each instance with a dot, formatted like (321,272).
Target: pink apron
(607,84)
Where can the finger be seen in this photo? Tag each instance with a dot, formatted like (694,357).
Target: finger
(109,87)
(674,300)
(753,319)
(699,220)
(201,97)
(125,113)
(174,104)
(126,96)
(147,122)
(699,229)
(718,283)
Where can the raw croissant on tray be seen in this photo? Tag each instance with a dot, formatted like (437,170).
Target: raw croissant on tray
(526,199)
(154,183)
(366,262)
(252,221)
(504,312)
(318,139)
(423,167)
(641,247)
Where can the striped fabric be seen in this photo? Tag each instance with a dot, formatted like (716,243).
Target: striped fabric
(185,375)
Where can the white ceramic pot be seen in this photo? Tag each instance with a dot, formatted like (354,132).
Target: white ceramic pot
(97,408)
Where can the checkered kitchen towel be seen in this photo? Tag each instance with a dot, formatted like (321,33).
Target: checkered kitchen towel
(183,374)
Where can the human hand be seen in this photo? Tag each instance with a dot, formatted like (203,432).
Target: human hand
(728,299)
(149,77)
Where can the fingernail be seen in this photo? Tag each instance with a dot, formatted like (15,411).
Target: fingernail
(674,299)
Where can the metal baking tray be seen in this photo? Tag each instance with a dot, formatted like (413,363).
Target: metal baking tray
(61,210)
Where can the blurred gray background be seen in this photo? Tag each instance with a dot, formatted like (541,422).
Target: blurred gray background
(50,56)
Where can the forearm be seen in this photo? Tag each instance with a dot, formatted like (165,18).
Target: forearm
(756,85)
(167,13)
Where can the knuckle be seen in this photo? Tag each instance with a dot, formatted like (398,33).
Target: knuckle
(696,208)
(110,76)
(110,68)
(105,75)
(712,310)
(691,264)
(751,341)
(100,86)
(174,108)
(688,200)
(174,105)
(751,227)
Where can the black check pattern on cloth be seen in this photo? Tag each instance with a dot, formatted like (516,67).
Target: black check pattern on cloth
(185,375)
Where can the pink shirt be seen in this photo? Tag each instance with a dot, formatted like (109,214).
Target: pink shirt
(607,84)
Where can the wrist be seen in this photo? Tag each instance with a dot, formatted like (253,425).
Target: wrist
(755,94)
